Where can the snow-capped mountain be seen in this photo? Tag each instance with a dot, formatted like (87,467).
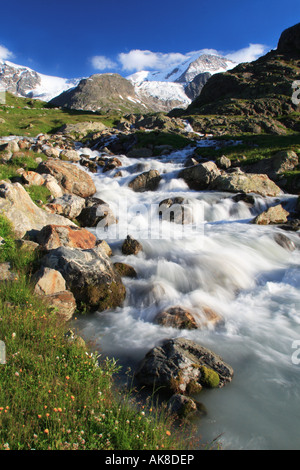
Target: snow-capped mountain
(170,85)
(157,90)
(23,81)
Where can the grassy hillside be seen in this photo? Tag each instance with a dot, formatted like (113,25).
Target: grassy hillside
(22,116)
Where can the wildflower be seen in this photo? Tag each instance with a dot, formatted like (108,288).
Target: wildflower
(39,416)
(168,433)
(17,374)
(13,335)
(47,415)
(46,431)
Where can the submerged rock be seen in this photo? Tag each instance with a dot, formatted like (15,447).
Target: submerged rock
(131,246)
(125,270)
(201,176)
(274,215)
(147,181)
(177,317)
(181,365)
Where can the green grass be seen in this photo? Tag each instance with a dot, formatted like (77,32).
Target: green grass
(25,159)
(54,393)
(31,117)
(161,138)
(38,193)
(254,147)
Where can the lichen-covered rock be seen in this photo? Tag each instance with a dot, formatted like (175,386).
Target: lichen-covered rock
(182,405)
(54,236)
(32,178)
(69,176)
(125,270)
(64,304)
(177,317)
(25,216)
(273,215)
(48,281)
(69,155)
(89,275)
(246,183)
(68,205)
(177,366)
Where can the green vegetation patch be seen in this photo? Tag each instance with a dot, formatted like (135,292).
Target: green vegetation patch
(28,117)
(157,138)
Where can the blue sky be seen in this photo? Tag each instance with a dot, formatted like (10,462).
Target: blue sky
(78,38)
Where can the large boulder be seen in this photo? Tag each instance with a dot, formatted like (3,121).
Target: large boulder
(54,236)
(71,178)
(147,181)
(89,275)
(200,176)
(246,183)
(25,216)
(181,365)
(68,205)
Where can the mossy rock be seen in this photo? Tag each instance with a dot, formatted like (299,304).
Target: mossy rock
(209,378)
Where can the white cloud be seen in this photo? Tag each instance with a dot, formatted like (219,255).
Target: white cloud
(5,53)
(248,54)
(137,60)
(100,62)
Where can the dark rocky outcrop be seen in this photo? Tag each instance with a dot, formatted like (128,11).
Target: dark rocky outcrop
(194,88)
(252,97)
(100,92)
(183,366)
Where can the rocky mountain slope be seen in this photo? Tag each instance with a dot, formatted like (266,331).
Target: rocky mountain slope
(23,81)
(101,92)
(176,87)
(254,97)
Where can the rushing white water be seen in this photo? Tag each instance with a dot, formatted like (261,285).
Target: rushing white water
(222,262)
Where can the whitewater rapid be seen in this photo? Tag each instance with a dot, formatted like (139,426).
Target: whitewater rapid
(225,263)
